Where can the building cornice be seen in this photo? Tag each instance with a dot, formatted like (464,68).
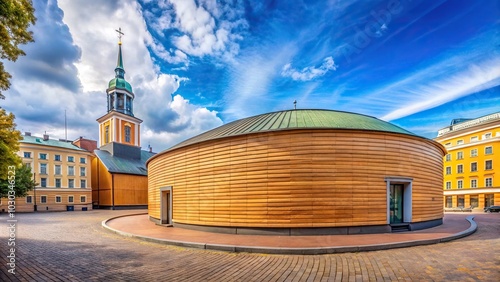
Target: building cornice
(44,147)
(469,124)
(475,143)
(120,115)
(468,191)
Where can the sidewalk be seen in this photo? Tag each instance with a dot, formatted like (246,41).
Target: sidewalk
(138,226)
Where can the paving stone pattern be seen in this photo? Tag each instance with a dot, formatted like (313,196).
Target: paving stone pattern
(72,246)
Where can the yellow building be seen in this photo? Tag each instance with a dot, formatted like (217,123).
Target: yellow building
(62,171)
(472,165)
(119,169)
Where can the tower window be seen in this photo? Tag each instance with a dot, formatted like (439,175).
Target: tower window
(120,102)
(111,102)
(106,134)
(127,134)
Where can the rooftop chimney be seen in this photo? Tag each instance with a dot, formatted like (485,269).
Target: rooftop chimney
(45,137)
(27,133)
(150,149)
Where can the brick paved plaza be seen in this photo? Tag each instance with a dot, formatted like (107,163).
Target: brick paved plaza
(72,246)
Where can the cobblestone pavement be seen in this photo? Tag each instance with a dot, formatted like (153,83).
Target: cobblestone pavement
(72,246)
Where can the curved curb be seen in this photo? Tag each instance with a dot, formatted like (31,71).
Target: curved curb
(293,251)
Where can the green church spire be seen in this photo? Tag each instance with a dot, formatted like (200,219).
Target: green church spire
(119,70)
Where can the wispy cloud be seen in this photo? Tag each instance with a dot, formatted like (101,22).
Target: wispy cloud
(428,95)
(309,72)
(466,69)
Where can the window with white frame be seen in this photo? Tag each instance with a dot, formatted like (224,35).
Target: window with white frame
(448,157)
(71,159)
(448,170)
(57,158)
(83,199)
(460,168)
(83,160)
(473,167)
(43,199)
(58,199)
(460,184)
(58,182)
(488,165)
(43,168)
(460,155)
(487,135)
(473,139)
(473,153)
(71,170)
(488,150)
(83,183)
(460,142)
(488,182)
(448,185)
(447,144)
(82,171)
(57,169)
(27,155)
(71,183)
(473,183)
(43,182)
(71,199)
(29,199)
(42,156)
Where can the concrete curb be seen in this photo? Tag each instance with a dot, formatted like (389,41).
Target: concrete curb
(293,251)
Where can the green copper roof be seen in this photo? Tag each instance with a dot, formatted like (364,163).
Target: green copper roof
(296,119)
(120,83)
(119,80)
(50,142)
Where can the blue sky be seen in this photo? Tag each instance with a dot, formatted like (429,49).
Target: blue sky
(195,65)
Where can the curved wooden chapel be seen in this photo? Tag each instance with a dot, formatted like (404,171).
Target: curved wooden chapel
(299,172)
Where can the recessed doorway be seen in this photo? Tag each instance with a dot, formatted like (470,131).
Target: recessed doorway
(396,206)
(399,200)
(166,205)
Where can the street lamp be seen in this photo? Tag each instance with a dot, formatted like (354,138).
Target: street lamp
(34,189)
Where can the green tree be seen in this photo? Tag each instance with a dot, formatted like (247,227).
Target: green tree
(15,18)
(9,143)
(21,179)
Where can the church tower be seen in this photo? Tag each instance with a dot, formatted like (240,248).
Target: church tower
(119,125)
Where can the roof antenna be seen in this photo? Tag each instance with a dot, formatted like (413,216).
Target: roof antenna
(65,127)
(295,104)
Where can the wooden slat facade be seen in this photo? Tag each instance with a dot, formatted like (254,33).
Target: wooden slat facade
(296,178)
(129,189)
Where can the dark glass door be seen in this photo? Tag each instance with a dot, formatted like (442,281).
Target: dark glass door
(396,203)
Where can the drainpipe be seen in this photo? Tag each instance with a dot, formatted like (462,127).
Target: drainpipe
(98,184)
(112,191)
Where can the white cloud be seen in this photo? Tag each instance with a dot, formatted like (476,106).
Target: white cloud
(192,119)
(207,28)
(309,73)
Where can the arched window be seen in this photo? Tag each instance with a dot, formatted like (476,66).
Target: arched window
(127,134)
